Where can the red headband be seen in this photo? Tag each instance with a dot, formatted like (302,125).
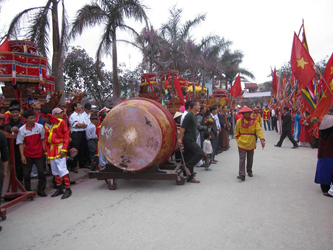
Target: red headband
(53,119)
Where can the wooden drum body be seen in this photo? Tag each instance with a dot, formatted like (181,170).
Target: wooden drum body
(137,134)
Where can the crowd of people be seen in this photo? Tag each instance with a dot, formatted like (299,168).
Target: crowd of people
(59,141)
(52,141)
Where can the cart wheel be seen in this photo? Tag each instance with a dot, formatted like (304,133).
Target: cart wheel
(4,217)
(112,185)
(180,182)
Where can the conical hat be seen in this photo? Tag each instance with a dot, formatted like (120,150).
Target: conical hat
(245,109)
(327,122)
(177,114)
(255,109)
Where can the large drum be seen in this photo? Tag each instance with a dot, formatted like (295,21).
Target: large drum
(137,134)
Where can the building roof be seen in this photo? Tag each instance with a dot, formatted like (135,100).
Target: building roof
(251,85)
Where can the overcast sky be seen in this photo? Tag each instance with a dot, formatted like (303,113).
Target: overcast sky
(261,29)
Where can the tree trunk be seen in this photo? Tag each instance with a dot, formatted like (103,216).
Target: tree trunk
(116,87)
(57,61)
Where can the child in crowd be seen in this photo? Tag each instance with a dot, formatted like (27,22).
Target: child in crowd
(208,150)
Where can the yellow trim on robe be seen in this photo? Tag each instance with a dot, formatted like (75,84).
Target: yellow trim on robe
(245,136)
(258,116)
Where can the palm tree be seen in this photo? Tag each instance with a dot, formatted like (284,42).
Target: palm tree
(230,62)
(175,37)
(38,32)
(111,14)
(211,50)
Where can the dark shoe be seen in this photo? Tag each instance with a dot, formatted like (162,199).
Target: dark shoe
(277,146)
(58,192)
(250,175)
(41,193)
(242,178)
(74,170)
(293,147)
(215,161)
(67,193)
(194,180)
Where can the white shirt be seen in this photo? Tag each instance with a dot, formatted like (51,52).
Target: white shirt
(217,121)
(183,117)
(273,112)
(86,118)
(76,118)
(91,131)
(207,147)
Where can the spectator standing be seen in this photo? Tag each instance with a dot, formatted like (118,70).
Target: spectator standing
(224,129)
(15,122)
(214,131)
(201,124)
(92,138)
(78,125)
(208,150)
(187,109)
(30,139)
(267,116)
(324,172)
(3,162)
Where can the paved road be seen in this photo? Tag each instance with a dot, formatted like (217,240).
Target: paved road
(279,208)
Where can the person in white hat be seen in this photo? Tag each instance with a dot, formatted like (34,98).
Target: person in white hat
(324,172)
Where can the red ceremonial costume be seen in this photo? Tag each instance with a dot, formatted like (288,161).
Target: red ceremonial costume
(266,115)
(306,129)
(57,141)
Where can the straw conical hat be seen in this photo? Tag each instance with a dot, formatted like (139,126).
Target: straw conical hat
(327,122)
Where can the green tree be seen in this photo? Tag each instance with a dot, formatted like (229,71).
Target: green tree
(39,32)
(110,14)
(80,73)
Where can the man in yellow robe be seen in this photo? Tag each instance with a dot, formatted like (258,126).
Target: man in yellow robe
(245,129)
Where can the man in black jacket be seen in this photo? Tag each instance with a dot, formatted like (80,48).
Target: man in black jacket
(286,128)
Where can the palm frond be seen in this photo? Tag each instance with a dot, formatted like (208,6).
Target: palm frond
(15,23)
(39,28)
(87,16)
(190,24)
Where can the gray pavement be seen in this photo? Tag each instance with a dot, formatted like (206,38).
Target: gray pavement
(279,208)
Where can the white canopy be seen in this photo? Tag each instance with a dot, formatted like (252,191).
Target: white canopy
(257,94)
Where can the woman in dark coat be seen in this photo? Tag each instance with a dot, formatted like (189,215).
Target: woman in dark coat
(324,172)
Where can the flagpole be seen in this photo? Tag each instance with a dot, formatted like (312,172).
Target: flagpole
(321,77)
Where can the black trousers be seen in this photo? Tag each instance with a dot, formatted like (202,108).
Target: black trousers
(192,154)
(325,188)
(78,142)
(18,164)
(40,163)
(1,180)
(284,135)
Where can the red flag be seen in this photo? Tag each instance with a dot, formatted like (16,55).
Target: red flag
(275,82)
(328,75)
(179,89)
(324,104)
(236,89)
(4,47)
(301,63)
